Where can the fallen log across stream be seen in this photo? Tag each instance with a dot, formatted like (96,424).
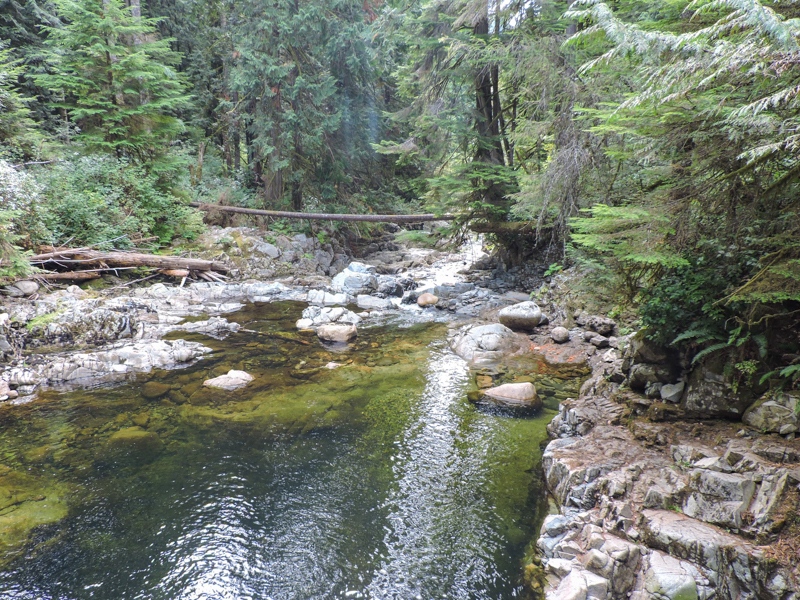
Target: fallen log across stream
(279,214)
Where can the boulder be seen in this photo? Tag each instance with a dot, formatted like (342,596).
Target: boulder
(514,395)
(427,299)
(314,316)
(153,390)
(602,325)
(132,445)
(525,315)
(232,380)
(713,393)
(22,288)
(323,298)
(773,413)
(337,333)
(485,344)
(354,282)
(373,302)
(560,335)
(672,392)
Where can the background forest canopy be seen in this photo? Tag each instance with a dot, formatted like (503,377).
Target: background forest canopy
(657,141)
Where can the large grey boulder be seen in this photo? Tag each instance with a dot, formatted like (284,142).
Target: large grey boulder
(773,413)
(713,393)
(354,282)
(525,315)
(485,344)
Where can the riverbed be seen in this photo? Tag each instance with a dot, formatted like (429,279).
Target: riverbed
(358,471)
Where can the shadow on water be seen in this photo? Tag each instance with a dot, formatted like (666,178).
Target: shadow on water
(372,479)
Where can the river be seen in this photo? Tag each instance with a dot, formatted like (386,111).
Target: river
(357,473)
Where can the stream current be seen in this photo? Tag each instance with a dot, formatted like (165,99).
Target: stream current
(376,478)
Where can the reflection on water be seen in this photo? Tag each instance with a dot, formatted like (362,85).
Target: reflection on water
(373,480)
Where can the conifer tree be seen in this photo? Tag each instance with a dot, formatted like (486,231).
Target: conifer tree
(116,79)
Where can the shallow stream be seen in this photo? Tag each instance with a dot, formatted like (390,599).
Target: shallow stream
(376,478)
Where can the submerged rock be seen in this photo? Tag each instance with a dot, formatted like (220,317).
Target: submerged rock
(152,390)
(483,344)
(337,333)
(133,445)
(525,315)
(514,395)
(232,380)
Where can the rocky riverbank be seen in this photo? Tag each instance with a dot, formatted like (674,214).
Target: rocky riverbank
(668,484)
(77,337)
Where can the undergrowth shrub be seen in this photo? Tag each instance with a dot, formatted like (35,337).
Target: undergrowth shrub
(107,202)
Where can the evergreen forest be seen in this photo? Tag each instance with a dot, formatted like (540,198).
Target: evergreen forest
(654,144)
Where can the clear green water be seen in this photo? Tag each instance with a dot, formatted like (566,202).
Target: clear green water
(377,479)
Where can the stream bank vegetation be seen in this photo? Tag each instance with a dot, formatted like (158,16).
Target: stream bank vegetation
(653,144)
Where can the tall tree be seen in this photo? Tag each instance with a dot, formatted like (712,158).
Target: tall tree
(116,79)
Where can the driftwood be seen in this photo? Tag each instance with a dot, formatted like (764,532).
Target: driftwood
(85,257)
(67,276)
(279,214)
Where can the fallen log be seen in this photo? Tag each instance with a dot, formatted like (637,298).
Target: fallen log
(67,276)
(280,214)
(84,257)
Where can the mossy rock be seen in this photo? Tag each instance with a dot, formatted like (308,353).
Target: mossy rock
(132,445)
(152,390)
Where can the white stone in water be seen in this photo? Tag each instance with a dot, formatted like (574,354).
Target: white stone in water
(335,332)
(232,380)
(514,394)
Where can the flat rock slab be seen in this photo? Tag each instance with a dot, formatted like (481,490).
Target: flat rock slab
(337,333)
(232,380)
(514,395)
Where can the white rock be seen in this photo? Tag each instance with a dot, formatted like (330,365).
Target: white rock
(335,332)
(514,394)
(672,392)
(373,303)
(323,298)
(232,380)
